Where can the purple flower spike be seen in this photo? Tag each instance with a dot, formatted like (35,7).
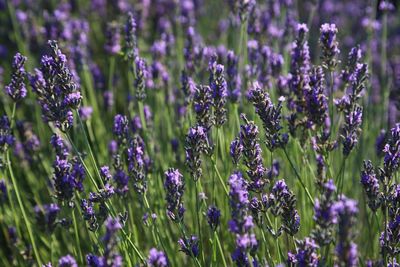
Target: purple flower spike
(157,258)
(16,89)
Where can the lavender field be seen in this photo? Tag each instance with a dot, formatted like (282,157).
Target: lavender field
(199,133)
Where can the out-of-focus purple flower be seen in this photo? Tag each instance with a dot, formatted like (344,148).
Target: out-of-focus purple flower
(108,98)
(110,256)
(16,89)
(190,246)
(85,112)
(67,261)
(113,38)
(213,217)
(325,215)
(380,143)
(233,77)
(130,37)
(6,137)
(174,186)
(329,45)
(46,216)
(306,254)
(121,128)
(141,76)
(3,191)
(157,258)
(299,69)
(386,6)
(346,250)
(188,87)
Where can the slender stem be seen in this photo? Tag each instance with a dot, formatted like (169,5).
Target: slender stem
(21,205)
(199,219)
(298,177)
(78,242)
(219,176)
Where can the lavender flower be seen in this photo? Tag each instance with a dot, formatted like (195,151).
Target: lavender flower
(121,128)
(329,46)
(269,114)
(325,215)
(252,154)
(300,67)
(140,81)
(16,89)
(110,256)
(346,250)
(6,137)
(113,38)
(351,129)
(202,104)
(370,183)
(56,90)
(236,151)
(46,216)
(306,254)
(130,37)
(213,217)
(190,246)
(219,91)
(283,203)
(316,100)
(233,77)
(3,191)
(136,164)
(174,186)
(188,87)
(67,261)
(241,223)
(157,258)
(391,161)
(196,144)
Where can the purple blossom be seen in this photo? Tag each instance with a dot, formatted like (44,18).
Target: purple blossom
(174,186)
(16,89)
(67,261)
(213,217)
(157,258)
(113,38)
(190,246)
(329,45)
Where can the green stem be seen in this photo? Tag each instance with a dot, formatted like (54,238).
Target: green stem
(78,242)
(299,177)
(21,205)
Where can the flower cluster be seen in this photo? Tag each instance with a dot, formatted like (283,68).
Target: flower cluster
(56,90)
(174,186)
(241,222)
(270,115)
(68,174)
(16,89)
